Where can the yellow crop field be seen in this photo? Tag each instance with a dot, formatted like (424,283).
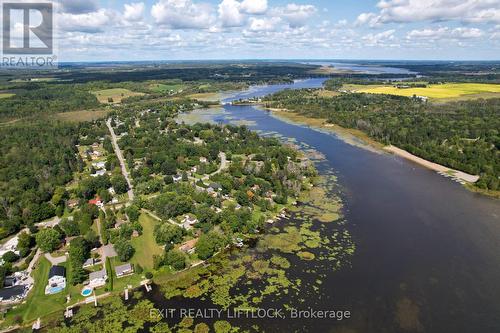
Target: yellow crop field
(438,91)
(116,95)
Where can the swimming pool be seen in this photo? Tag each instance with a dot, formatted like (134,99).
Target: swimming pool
(86,291)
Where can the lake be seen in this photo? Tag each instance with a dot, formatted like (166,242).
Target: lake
(427,253)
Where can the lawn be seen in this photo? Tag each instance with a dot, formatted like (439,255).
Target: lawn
(438,91)
(6,95)
(119,284)
(165,88)
(116,95)
(38,304)
(145,245)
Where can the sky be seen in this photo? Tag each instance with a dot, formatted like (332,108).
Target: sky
(113,30)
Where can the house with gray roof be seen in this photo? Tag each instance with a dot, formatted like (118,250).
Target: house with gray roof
(124,270)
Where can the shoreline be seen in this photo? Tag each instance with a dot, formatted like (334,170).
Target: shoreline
(360,139)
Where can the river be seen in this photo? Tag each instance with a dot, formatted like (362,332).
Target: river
(427,253)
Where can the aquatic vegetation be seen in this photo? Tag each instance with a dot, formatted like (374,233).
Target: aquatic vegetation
(306,255)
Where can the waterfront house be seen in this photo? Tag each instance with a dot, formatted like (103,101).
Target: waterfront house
(124,270)
(97,279)
(57,280)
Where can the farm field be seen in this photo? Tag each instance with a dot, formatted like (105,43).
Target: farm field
(6,95)
(116,95)
(438,91)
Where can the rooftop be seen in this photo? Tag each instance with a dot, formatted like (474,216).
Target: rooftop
(98,275)
(57,271)
(123,269)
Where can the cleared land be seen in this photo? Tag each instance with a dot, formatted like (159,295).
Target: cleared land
(206,97)
(166,88)
(145,245)
(81,116)
(115,95)
(437,91)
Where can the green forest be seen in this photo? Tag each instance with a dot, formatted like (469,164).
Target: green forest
(461,135)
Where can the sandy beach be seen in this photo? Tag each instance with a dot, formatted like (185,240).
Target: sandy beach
(460,175)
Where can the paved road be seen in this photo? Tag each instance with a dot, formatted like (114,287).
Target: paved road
(119,154)
(222,167)
(50,223)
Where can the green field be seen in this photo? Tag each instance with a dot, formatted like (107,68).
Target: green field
(38,304)
(116,95)
(437,91)
(165,88)
(145,245)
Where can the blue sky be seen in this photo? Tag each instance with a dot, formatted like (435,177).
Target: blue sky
(95,30)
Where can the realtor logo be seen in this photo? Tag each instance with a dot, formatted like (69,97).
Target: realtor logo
(27,28)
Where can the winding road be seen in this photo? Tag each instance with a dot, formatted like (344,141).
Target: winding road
(119,154)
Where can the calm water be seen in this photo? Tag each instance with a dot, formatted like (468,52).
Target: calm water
(365,69)
(428,251)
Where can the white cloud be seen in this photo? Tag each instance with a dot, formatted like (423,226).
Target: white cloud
(369,19)
(295,15)
(229,13)
(254,7)
(263,24)
(182,14)
(402,11)
(134,11)
(445,33)
(89,22)
(384,37)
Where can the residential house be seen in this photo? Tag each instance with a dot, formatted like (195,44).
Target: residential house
(9,281)
(88,263)
(189,247)
(177,178)
(111,191)
(203,160)
(98,173)
(124,270)
(98,279)
(97,201)
(189,221)
(99,165)
(57,280)
(13,294)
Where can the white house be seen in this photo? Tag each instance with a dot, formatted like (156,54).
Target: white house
(57,280)
(97,279)
(99,165)
(99,173)
(177,178)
